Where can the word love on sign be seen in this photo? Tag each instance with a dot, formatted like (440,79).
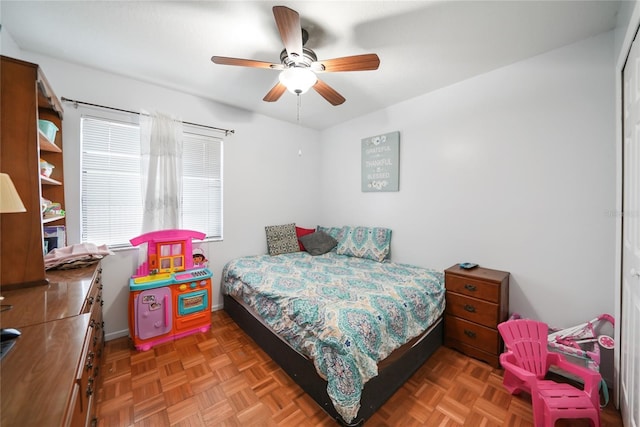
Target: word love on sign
(380,162)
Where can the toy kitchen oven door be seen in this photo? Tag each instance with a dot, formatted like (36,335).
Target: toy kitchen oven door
(170,296)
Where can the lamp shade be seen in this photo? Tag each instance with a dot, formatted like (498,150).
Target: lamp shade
(9,198)
(298,80)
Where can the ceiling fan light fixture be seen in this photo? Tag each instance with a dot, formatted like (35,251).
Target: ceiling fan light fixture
(298,80)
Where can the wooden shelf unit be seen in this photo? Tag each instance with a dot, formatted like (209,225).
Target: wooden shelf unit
(27,97)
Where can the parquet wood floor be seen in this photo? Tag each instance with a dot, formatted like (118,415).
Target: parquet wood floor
(222,378)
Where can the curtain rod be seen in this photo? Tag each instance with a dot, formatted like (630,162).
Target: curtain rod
(73,101)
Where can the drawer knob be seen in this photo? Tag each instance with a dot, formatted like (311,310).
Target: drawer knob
(469,333)
(90,387)
(470,287)
(469,308)
(89,364)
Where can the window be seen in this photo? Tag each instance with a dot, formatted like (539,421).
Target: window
(111,201)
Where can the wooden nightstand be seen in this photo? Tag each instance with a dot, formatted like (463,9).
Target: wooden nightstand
(477,300)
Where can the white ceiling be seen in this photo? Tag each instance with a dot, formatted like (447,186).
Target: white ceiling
(422,45)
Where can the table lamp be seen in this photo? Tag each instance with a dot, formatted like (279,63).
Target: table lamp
(10,202)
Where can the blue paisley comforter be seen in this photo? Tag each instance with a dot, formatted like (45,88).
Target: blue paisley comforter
(344,313)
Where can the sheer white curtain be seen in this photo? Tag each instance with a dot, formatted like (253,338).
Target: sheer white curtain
(161,171)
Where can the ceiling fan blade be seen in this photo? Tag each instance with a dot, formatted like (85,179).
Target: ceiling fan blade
(328,93)
(368,61)
(288,22)
(275,93)
(223,60)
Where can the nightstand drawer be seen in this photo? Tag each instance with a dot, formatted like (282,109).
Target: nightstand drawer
(473,309)
(472,334)
(474,288)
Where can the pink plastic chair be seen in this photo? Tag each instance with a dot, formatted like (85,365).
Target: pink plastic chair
(526,361)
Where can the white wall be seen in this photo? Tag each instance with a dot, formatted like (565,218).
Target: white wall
(8,45)
(266,181)
(513,169)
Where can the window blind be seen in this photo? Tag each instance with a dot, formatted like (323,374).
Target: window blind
(111,202)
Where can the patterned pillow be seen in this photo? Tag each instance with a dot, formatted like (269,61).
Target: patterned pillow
(365,242)
(335,232)
(282,239)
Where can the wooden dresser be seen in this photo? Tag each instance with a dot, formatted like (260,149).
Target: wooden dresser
(49,375)
(476,301)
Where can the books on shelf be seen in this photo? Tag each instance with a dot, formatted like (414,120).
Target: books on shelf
(51,209)
(54,237)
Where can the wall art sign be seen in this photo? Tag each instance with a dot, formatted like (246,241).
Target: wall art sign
(380,162)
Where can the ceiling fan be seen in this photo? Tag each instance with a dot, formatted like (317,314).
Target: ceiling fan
(299,65)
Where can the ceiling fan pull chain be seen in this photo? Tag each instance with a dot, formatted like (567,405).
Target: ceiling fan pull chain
(299,103)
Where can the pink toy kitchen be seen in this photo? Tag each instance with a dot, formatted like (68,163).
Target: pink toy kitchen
(169,295)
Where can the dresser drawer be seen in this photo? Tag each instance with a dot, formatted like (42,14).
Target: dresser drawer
(472,334)
(474,288)
(473,309)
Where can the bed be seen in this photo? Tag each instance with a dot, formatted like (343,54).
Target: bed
(349,330)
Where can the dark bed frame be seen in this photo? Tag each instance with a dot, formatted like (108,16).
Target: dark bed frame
(376,391)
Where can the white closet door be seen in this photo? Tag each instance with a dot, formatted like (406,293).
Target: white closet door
(630,312)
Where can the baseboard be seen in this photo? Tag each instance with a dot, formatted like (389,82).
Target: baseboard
(117,334)
(125,333)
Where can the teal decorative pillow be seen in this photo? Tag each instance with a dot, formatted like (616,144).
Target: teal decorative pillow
(365,242)
(335,232)
(282,239)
